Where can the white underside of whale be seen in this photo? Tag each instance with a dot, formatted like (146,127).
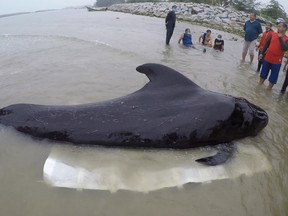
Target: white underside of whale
(144,170)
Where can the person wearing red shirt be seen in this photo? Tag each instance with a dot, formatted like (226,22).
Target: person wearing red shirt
(267,34)
(274,50)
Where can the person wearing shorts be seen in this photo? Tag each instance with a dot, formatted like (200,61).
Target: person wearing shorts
(266,68)
(252,30)
(274,50)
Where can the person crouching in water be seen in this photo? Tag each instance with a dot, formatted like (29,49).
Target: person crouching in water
(186,38)
(219,43)
(266,35)
(274,50)
(206,39)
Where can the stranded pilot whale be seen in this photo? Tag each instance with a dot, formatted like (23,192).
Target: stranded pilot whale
(170,111)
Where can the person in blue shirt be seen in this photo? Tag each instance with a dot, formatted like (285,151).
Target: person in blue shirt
(206,39)
(186,38)
(252,30)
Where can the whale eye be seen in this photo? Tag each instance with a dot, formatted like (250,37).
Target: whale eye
(236,117)
(5,112)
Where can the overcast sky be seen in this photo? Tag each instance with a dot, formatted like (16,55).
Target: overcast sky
(13,6)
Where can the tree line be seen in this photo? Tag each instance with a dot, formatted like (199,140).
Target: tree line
(274,9)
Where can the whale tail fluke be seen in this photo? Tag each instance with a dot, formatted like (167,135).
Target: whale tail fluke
(225,151)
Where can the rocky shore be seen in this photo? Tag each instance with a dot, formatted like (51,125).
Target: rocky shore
(222,18)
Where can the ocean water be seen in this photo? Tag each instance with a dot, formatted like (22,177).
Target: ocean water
(71,57)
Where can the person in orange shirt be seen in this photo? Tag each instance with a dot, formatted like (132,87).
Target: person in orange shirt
(266,35)
(274,50)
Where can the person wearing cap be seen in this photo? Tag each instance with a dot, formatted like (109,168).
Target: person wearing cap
(186,38)
(219,43)
(274,50)
(266,35)
(280,20)
(252,30)
(170,24)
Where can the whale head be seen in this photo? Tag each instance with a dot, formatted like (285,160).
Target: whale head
(245,119)
(253,119)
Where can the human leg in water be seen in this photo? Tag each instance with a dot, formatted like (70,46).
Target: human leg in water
(169,33)
(260,62)
(285,84)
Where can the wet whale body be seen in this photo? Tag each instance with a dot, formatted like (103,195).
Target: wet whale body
(170,111)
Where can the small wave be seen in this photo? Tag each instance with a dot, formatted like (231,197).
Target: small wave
(13,14)
(55,37)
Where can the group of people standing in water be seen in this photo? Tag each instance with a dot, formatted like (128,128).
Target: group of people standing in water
(271,48)
(205,39)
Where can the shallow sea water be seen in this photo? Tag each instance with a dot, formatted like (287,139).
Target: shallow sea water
(73,57)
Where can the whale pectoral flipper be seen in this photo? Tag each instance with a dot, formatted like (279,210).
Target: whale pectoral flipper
(225,151)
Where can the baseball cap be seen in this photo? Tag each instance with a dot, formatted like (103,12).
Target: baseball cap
(280,20)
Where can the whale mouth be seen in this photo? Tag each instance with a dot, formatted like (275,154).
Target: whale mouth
(260,118)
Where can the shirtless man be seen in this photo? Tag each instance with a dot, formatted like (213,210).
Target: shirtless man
(206,39)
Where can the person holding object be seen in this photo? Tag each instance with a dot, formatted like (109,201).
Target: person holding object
(252,30)
(274,50)
(170,24)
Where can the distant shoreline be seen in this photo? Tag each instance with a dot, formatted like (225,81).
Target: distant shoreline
(225,19)
(14,14)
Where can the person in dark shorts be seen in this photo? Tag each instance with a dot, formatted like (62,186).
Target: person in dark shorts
(266,35)
(170,24)
(274,50)
(219,43)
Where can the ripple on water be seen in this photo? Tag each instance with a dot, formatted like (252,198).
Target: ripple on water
(74,57)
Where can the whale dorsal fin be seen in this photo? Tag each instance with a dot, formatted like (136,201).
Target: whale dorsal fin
(163,76)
